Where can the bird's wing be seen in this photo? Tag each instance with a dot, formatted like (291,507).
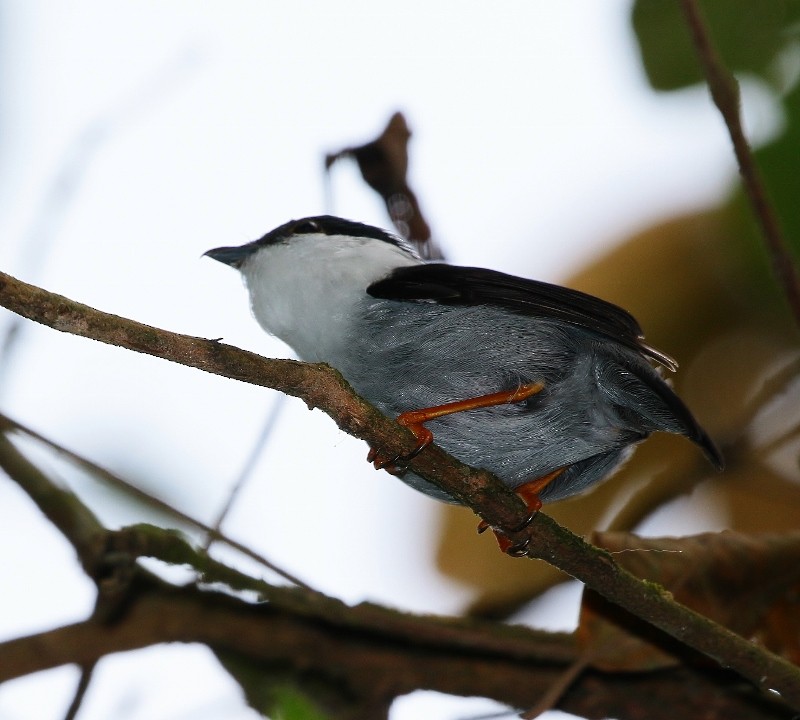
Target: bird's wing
(454,285)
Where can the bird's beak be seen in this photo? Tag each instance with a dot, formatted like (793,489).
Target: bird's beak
(233,256)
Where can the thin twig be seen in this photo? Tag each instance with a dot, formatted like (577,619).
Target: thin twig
(86,524)
(725,92)
(558,689)
(267,429)
(87,671)
(69,176)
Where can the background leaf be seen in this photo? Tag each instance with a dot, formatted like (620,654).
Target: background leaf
(749,36)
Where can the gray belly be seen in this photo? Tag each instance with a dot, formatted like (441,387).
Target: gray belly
(595,404)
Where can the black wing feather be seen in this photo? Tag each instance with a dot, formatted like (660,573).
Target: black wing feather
(454,285)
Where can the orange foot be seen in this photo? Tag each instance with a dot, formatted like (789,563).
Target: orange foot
(399,464)
(414,420)
(529,492)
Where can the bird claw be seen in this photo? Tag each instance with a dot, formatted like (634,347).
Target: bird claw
(526,522)
(519,549)
(397,465)
(514,549)
(529,494)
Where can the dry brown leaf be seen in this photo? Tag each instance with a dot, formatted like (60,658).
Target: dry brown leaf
(383,163)
(750,584)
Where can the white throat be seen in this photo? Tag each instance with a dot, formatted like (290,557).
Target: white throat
(305,291)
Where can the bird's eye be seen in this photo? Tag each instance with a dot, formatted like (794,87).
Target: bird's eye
(306,226)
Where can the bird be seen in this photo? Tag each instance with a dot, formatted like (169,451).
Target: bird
(547,387)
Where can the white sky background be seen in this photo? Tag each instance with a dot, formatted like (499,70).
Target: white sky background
(137,135)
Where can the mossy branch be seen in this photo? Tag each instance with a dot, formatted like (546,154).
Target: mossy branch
(321,386)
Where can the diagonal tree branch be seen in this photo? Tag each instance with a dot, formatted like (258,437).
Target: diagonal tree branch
(74,520)
(322,387)
(60,506)
(317,384)
(725,92)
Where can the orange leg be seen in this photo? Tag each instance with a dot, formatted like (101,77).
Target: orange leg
(414,419)
(529,492)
